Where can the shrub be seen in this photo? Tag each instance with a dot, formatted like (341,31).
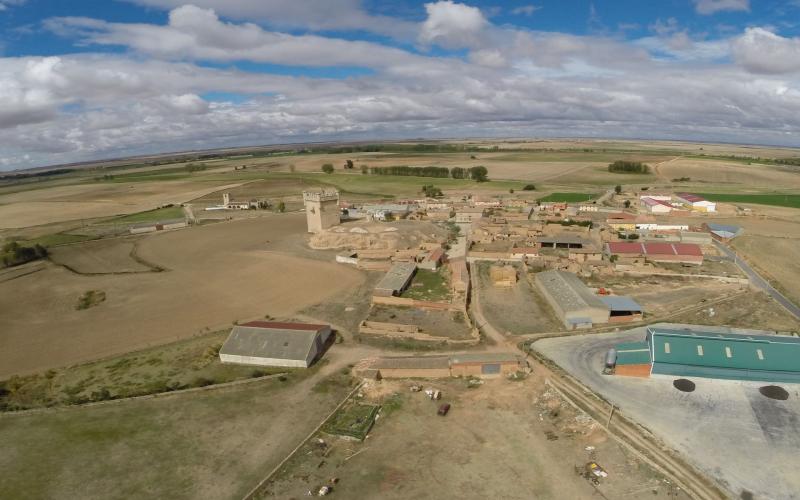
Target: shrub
(327,168)
(529,187)
(628,167)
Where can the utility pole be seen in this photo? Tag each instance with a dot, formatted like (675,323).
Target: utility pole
(610,414)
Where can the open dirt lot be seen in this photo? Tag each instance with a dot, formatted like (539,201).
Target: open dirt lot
(517,310)
(87,201)
(100,257)
(215,275)
(726,428)
(446,324)
(213,444)
(502,440)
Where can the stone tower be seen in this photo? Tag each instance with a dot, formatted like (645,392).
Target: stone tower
(226,199)
(322,209)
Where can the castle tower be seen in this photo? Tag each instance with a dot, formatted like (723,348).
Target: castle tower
(322,209)
(226,199)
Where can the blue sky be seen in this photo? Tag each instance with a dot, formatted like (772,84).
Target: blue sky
(87,79)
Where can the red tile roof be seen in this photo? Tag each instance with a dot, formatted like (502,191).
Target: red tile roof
(624,247)
(284,326)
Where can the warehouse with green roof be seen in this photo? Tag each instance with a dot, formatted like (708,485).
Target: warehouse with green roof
(703,352)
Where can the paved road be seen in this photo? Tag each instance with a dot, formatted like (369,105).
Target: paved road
(758,281)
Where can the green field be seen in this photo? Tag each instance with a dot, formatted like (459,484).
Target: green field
(180,365)
(56,239)
(159,214)
(429,285)
(567,197)
(776,200)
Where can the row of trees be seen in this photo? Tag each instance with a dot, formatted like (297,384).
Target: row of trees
(403,170)
(629,167)
(14,254)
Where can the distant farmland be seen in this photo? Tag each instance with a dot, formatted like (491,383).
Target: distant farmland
(567,197)
(777,200)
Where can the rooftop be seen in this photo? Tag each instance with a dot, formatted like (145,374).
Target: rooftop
(276,343)
(485,357)
(397,277)
(625,247)
(691,198)
(569,291)
(620,303)
(411,362)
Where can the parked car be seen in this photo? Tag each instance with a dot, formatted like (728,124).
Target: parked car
(443,409)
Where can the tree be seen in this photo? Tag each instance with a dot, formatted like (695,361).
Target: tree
(432,191)
(327,168)
(457,173)
(618,189)
(364,169)
(511,191)
(627,203)
(281,207)
(348,165)
(479,174)
(529,187)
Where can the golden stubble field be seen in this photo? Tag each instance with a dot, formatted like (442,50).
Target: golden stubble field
(724,175)
(87,201)
(216,275)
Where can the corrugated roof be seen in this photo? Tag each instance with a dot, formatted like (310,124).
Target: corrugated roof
(269,342)
(691,198)
(397,277)
(624,247)
(485,357)
(569,291)
(620,303)
(412,362)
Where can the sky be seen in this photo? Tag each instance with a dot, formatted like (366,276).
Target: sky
(91,79)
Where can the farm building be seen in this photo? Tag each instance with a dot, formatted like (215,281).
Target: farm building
(396,279)
(682,253)
(469,214)
(432,260)
(266,343)
(724,232)
(573,302)
(230,204)
(493,364)
(697,203)
(563,240)
(505,276)
(164,225)
(459,276)
(621,221)
(489,364)
(622,309)
(712,353)
(405,367)
(655,206)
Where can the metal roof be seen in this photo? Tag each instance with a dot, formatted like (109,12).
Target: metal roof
(620,303)
(729,351)
(397,277)
(691,198)
(412,362)
(485,357)
(633,353)
(562,238)
(273,343)
(622,247)
(569,291)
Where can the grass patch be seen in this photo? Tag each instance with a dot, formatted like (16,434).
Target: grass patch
(429,285)
(354,421)
(776,200)
(333,382)
(90,299)
(159,214)
(180,365)
(52,240)
(567,197)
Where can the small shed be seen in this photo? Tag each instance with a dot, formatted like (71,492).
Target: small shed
(622,309)
(267,343)
(492,364)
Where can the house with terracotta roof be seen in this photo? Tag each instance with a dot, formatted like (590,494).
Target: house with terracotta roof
(682,253)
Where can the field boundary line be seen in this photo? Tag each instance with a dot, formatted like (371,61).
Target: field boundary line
(253,492)
(60,408)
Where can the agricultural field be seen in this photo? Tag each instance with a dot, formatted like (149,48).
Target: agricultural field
(159,214)
(205,444)
(567,197)
(213,275)
(102,257)
(777,199)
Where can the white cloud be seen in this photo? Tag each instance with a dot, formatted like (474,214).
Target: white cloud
(315,15)
(761,51)
(157,97)
(708,7)
(453,25)
(6,4)
(196,33)
(525,10)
